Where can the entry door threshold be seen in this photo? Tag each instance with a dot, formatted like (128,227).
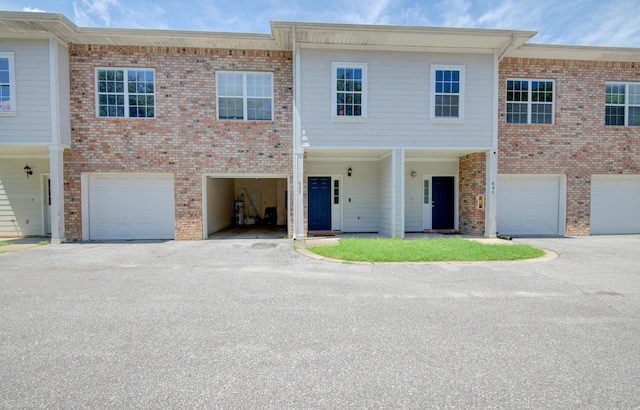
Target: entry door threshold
(444,231)
(324,233)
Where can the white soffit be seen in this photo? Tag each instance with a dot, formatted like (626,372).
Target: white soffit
(30,24)
(404,37)
(567,52)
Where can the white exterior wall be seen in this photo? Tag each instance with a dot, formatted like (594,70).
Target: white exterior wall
(21,198)
(414,207)
(398,93)
(359,192)
(32,122)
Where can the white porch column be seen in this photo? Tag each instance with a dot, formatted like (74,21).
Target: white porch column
(399,188)
(56,174)
(490,213)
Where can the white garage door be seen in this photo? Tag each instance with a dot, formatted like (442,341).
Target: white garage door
(615,204)
(530,205)
(131,206)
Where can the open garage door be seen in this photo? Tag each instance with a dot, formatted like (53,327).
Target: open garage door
(530,205)
(615,204)
(252,205)
(130,206)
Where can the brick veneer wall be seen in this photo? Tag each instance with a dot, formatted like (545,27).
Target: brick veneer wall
(472,182)
(578,144)
(185,138)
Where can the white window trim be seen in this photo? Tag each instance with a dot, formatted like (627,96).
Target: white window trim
(432,97)
(334,100)
(12,84)
(626,104)
(126,91)
(529,103)
(245,112)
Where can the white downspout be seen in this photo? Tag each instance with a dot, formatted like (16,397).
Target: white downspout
(490,212)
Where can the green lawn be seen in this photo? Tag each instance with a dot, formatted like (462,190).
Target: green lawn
(424,250)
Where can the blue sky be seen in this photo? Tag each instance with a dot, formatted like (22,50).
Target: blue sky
(583,22)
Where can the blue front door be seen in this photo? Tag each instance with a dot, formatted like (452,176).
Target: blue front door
(319,203)
(443,202)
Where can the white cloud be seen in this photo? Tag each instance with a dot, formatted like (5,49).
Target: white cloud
(456,14)
(111,13)
(32,9)
(87,11)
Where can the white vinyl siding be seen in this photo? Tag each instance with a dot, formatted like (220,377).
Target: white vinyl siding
(615,204)
(398,101)
(414,195)
(21,203)
(31,123)
(359,193)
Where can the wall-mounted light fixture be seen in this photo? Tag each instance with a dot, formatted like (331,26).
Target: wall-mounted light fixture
(27,170)
(349,171)
(413,174)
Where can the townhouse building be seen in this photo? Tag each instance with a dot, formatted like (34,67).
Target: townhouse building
(569,141)
(168,130)
(320,128)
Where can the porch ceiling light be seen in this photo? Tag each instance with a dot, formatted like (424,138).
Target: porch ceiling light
(349,171)
(27,170)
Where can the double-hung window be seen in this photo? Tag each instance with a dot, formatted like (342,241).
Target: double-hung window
(245,96)
(349,83)
(623,104)
(125,93)
(7,84)
(530,101)
(447,92)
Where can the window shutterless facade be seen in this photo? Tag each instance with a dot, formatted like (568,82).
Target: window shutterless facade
(622,104)
(530,101)
(125,93)
(447,92)
(349,95)
(245,96)
(7,84)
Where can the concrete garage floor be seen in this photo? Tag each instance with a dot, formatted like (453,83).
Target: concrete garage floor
(251,232)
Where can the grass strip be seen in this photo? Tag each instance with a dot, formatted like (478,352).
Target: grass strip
(424,250)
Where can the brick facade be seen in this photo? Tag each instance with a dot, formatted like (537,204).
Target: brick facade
(473,182)
(185,138)
(578,144)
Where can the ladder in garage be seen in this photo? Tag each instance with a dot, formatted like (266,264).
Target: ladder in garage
(253,206)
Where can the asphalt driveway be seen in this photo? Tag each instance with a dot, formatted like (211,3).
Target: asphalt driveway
(255,324)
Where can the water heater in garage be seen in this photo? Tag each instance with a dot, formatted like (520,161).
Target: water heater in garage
(239,212)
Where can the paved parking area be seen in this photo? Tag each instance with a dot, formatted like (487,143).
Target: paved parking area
(255,324)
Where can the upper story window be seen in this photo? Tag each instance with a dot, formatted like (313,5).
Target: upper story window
(447,92)
(245,96)
(349,90)
(623,104)
(7,84)
(126,93)
(530,101)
